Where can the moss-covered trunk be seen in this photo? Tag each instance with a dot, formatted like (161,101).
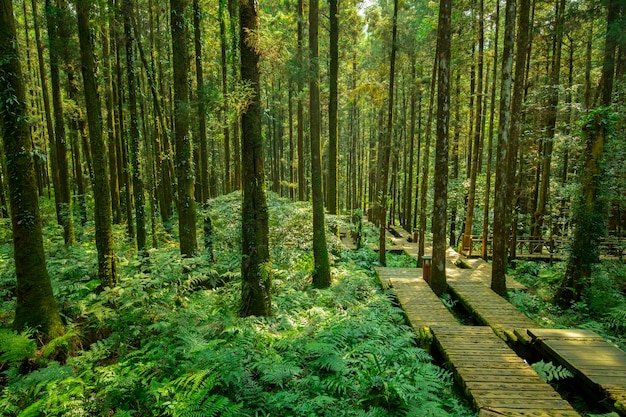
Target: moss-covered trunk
(62,192)
(36,306)
(184,169)
(101,190)
(255,272)
(321,272)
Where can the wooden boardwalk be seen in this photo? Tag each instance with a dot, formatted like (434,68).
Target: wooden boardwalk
(490,309)
(421,306)
(601,366)
(494,376)
(498,381)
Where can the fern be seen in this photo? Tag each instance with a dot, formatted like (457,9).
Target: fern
(616,320)
(549,372)
(15,347)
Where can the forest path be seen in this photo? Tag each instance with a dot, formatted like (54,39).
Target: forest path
(497,380)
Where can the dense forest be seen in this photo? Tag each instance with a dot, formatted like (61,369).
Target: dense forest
(175,177)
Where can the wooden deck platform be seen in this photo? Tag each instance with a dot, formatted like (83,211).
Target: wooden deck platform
(421,306)
(490,309)
(601,366)
(498,381)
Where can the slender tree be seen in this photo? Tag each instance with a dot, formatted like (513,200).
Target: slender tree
(478,114)
(440,206)
(202,142)
(300,109)
(321,273)
(255,267)
(332,195)
(102,193)
(501,222)
(184,168)
(63,193)
(131,79)
(35,306)
(385,145)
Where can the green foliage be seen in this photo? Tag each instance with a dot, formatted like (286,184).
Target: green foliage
(15,347)
(549,372)
(602,304)
(168,342)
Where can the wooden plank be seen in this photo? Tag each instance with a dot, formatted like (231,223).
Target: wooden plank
(601,366)
(494,376)
(500,411)
(546,334)
(421,306)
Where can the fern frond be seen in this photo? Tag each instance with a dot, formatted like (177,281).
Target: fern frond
(549,372)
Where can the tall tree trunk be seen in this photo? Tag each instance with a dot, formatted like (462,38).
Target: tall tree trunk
(255,262)
(440,206)
(101,191)
(36,307)
(475,157)
(46,96)
(62,194)
(184,169)
(589,210)
(550,121)
(385,146)
(408,210)
(426,166)
(455,156)
(202,142)
(492,112)
(300,110)
(501,222)
(321,272)
(110,118)
(332,195)
(223,112)
(138,194)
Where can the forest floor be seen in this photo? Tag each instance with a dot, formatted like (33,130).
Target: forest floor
(168,341)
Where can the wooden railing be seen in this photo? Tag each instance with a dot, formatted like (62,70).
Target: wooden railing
(539,247)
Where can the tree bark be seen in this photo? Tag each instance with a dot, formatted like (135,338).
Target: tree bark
(501,222)
(255,262)
(202,142)
(440,206)
(300,109)
(492,106)
(332,194)
(138,194)
(102,193)
(184,168)
(426,166)
(321,272)
(62,194)
(36,307)
(475,156)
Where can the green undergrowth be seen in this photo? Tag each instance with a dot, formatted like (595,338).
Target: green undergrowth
(602,308)
(165,342)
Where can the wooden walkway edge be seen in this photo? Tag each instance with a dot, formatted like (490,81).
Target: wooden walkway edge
(498,381)
(601,366)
